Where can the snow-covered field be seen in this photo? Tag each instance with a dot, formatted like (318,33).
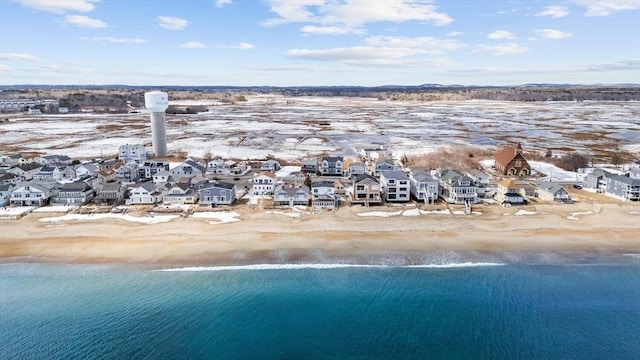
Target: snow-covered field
(296,127)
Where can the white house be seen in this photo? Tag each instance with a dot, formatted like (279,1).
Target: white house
(395,186)
(263,183)
(136,153)
(144,194)
(424,187)
(33,193)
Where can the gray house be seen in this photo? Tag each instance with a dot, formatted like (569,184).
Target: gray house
(550,191)
(189,168)
(270,165)
(75,193)
(597,180)
(5,194)
(332,166)
(356,169)
(396,186)
(33,193)
(323,195)
(150,168)
(285,195)
(127,172)
(111,193)
(424,187)
(309,166)
(456,188)
(623,187)
(217,193)
(384,165)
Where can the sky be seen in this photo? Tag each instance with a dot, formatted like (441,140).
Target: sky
(319,42)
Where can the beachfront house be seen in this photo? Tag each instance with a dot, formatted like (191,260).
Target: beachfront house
(395,185)
(550,191)
(132,153)
(424,187)
(27,171)
(508,193)
(33,193)
(180,193)
(111,193)
(366,190)
(287,195)
(340,186)
(323,195)
(623,187)
(263,183)
(217,193)
(75,193)
(356,168)
(5,194)
(457,188)
(144,194)
(332,166)
(510,161)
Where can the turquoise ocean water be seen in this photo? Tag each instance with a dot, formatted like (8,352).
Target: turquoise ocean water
(585,310)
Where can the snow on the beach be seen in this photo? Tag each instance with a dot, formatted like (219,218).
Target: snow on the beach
(575,215)
(15,211)
(524,212)
(54,208)
(289,214)
(409,212)
(381,213)
(220,216)
(89,217)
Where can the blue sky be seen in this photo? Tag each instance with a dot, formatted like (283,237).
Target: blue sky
(319,42)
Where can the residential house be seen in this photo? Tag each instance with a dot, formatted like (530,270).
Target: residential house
(366,190)
(27,170)
(189,168)
(136,153)
(163,177)
(332,166)
(5,194)
(424,187)
(270,165)
(340,187)
(45,173)
(180,193)
(227,167)
(623,187)
(54,160)
(107,175)
(596,180)
(75,193)
(217,193)
(263,183)
(510,161)
(456,188)
(356,168)
(384,165)
(309,166)
(396,186)
(323,195)
(127,172)
(10,179)
(64,173)
(508,193)
(111,193)
(634,173)
(286,195)
(144,194)
(149,168)
(33,193)
(86,169)
(550,191)
(14,160)
(372,152)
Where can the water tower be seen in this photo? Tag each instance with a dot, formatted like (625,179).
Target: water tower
(156,103)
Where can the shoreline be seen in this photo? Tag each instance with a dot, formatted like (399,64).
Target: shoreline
(276,238)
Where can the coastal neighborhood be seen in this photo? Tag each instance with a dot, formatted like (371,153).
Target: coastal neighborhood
(320,184)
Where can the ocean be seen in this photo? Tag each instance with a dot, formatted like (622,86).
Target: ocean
(589,309)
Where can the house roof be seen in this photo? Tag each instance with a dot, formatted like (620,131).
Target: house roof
(358,164)
(5,187)
(386,161)
(394,174)
(30,166)
(224,185)
(333,158)
(507,154)
(47,169)
(8,176)
(111,186)
(149,186)
(422,176)
(508,183)
(624,179)
(550,187)
(291,191)
(106,172)
(76,186)
(267,174)
(366,178)
(322,183)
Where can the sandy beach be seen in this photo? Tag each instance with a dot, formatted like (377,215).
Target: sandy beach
(199,240)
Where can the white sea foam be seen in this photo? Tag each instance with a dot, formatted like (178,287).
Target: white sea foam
(322,266)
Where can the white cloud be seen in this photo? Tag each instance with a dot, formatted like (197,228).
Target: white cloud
(366,56)
(243,46)
(330,30)
(4,68)
(501,49)
(192,45)
(354,12)
(501,35)
(607,7)
(61,6)
(85,22)
(114,40)
(554,11)
(19,57)
(553,34)
(221,3)
(421,44)
(51,67)
(172,23)
(454,33)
